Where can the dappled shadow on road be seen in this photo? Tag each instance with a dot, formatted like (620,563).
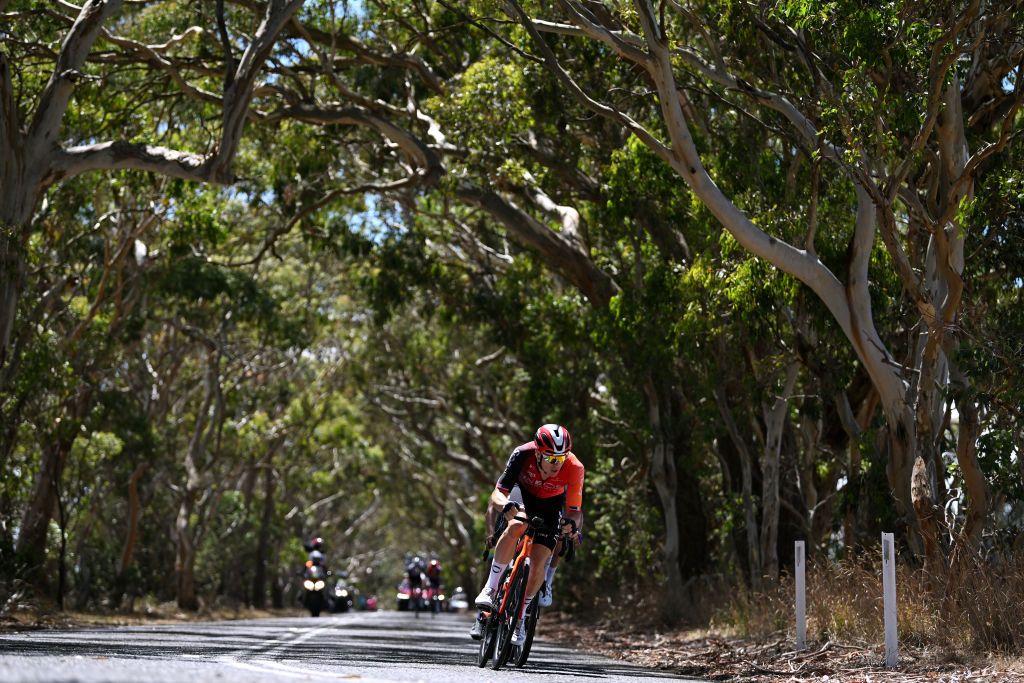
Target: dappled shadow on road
(446,648)
(368,644)
(70,645)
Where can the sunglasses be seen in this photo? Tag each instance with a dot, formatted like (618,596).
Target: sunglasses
(553,459)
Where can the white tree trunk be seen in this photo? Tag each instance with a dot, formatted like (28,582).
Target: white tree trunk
(774,420)
(663,475)
(754,562)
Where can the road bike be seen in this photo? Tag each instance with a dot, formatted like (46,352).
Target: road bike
(510,599)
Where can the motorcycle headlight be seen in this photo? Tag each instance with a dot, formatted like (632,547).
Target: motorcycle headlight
(319,585)
(441,596)
(343,594)
(308,584)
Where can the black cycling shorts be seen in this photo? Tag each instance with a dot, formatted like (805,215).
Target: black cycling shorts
(548,509)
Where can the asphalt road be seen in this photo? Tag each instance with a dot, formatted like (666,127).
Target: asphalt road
(360,646)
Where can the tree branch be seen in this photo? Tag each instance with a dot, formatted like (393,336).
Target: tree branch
(418,153)
(45,126)
(125,155)
(239,93)
(553,248)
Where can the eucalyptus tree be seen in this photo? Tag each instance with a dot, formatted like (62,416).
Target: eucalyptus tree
(134,86)
(90,288)
(528,180)
(49,130)
(906,104)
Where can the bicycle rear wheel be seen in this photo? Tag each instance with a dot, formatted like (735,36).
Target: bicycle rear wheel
(509,619)
(521,654)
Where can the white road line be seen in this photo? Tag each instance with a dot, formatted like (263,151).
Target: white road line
(298,672)
(280,642)
(276,648)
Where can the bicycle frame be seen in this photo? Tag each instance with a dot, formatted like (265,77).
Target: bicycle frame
(523,549)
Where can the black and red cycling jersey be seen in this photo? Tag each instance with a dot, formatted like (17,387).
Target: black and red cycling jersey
(522,469)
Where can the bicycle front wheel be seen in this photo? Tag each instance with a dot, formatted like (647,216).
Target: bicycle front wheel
(487,641)
(490,634)
(509,619)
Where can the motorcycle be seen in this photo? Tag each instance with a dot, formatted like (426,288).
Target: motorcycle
(403,596)
(314,580)
(344,596)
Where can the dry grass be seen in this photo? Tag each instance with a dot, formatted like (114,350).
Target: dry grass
(981,613)
(720,630)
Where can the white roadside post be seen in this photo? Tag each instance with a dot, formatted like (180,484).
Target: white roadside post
(889,602)
(801,615)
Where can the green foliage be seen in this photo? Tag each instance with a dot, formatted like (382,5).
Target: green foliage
(352,362)
(622,535)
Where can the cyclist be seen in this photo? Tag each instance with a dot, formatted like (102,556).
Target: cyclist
(550,478)
(547,590)
(414,570)
(433,573)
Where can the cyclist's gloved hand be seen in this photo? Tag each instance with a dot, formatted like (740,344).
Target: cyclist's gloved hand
(511,509)
(499,529)
(571,523)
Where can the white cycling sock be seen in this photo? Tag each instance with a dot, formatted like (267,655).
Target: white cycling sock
(496,569)
(550,574)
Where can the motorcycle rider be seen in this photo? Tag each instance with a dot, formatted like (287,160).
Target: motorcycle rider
(315,559)
(550,478)
(316,556)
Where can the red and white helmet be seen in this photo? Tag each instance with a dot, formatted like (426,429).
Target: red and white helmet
(552,439)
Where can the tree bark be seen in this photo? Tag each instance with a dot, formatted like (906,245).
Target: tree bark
(855,428)
(185,558)
(561,255)
(131,536)
(40,508)
(259,579)
(663,475)
(774,419)
(924,506)
(755,568)
(205,425)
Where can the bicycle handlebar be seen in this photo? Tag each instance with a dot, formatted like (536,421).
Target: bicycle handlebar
(536,524)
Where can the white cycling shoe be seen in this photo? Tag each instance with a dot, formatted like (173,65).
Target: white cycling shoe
(485,600)
(544,598)
(519,637)
(477,632)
